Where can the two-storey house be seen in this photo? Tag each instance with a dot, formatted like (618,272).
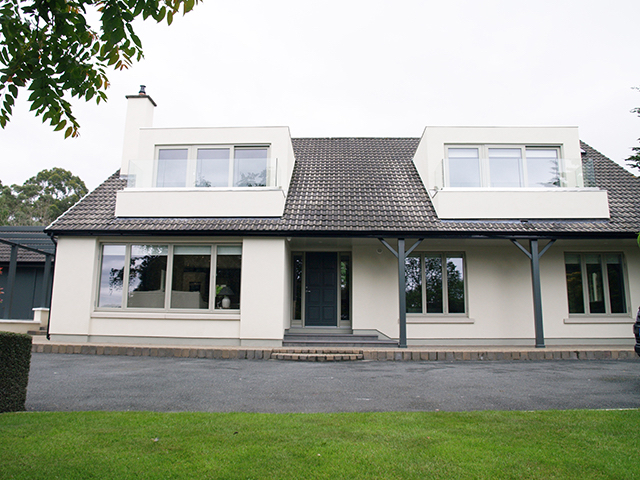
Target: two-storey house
(245,236)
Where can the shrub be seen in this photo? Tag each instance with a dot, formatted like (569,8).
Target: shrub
(15,360)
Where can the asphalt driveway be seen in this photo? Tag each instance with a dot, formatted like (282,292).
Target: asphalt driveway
(119,383)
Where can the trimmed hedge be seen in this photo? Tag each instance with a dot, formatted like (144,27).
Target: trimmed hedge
(15,361)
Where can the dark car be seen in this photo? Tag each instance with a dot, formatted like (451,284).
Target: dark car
(636,332)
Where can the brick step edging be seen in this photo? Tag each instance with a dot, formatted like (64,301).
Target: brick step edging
(372,354)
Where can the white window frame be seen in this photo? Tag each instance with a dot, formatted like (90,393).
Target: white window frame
(483,153)
(605,285)
(192,161)
(168,279)
(445,289)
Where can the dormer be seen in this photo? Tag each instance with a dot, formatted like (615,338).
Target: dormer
(509,173)
(202,172)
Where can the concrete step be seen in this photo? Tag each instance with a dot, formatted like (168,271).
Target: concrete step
(40,332)
(328,340)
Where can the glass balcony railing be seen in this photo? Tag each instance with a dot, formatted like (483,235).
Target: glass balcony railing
(476,173)
(203,173)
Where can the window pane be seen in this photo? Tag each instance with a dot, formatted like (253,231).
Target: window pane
(433,280)
(455,284)
(345,287)
(228,281)
(505,167)
(297,287)
(212,169)
(250,169)
(147,276)
(191,277)
(413,289)
(464,167)
(594,280)
(172,167)
(542,167)
(574,283)
(616,284)
(111,276)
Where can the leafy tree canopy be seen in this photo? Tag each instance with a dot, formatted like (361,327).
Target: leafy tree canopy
(49,48)
(41,199)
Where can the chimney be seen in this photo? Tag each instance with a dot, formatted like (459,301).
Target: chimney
(139,115)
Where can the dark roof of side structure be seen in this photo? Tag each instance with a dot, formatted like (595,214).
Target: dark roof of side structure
(360,187)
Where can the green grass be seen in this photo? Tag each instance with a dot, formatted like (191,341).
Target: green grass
(549,444)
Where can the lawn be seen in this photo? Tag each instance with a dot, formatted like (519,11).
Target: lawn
(543,444)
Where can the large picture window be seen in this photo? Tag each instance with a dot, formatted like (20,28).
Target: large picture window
(595,283)
(435,283)
(212,166)
(202,277)
(503,166)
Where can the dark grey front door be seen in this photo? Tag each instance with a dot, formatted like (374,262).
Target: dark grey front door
(321,298)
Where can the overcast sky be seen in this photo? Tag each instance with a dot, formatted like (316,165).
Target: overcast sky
(362,68)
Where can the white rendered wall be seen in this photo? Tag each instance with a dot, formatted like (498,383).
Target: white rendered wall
(520,204)
(73,283)
(499,296)
(205,202)
(264,308)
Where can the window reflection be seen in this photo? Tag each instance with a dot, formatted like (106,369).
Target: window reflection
(250,169)
(147,276)
(112,276)
(191,274)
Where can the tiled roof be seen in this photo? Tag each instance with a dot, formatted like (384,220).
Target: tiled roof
(23,255)
(360,186)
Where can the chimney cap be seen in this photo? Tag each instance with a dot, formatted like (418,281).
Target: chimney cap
(142,94)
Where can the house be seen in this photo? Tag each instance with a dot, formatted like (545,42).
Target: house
(515,236)
(26,255)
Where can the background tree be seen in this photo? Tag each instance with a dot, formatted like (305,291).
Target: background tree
(41,199)
(49,48)
(634,160)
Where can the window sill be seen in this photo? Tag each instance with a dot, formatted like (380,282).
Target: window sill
(594,319)
(430,319)
(233,315)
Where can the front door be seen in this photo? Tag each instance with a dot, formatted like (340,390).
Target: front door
(321,289)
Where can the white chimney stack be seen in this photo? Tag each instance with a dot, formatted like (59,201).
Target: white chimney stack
(139,115)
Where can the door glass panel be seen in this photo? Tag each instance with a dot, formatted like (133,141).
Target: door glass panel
(212,169)
(228,267)
(464,167)
(505,167)
(594,281)
(191,276)
(455,284)
(616,284)
(433,283)
(172,167)
(297,287)
(147,276)
(413,289)
(345,287)
(574,283)
(111,276)
(542,167)
(250,169)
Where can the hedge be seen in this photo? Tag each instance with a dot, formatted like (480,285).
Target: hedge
(15,360)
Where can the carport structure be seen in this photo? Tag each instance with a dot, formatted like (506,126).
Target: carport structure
(31,240)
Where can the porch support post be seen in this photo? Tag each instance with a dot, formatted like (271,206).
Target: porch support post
(46,281)
(11,280)
(534,256)
(402,287)
(401,255)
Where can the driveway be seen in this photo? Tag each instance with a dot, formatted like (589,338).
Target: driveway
(120,383)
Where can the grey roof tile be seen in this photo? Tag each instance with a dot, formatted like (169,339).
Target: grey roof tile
(359,186)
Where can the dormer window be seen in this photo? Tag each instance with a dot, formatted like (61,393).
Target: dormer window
(212,166)
(499,166)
